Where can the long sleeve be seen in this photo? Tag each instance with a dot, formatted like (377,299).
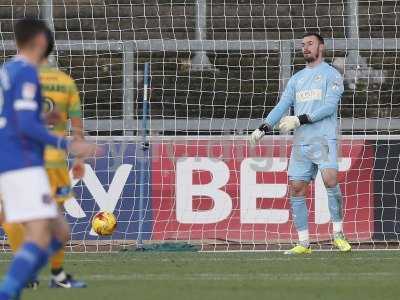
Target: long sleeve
(283,105)
(332,98)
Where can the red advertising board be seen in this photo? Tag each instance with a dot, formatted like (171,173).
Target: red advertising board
(223,189)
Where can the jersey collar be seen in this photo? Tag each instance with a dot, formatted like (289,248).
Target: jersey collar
(317,66)
(19,57)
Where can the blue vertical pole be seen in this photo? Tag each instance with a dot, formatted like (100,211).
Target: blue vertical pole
(144,158)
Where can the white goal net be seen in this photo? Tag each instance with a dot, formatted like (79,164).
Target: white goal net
(217,67)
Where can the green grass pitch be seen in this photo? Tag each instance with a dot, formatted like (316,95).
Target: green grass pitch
(195,276)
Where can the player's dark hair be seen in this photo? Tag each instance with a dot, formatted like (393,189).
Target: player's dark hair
(26,30)
(50,43)
(319,37)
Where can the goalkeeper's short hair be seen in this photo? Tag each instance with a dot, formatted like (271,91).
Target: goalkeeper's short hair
(318,36)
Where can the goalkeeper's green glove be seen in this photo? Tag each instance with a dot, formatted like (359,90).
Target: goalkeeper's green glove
(292,122)
(259,133)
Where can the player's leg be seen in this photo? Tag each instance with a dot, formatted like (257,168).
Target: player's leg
(60,279)
(28,260)
(329,170)
(56,265)
(329,177)
(15,235)
(300,171)
(59,234)
(61,188)
(32,206)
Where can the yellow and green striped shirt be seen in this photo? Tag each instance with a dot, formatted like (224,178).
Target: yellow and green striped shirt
(59,91)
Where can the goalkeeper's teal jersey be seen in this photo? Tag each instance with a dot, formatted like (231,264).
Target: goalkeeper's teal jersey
(316,92)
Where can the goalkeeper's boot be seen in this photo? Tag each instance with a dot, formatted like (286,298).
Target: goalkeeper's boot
(340,242)
(67,283)
(298,250)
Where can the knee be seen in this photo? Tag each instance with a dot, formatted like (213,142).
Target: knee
(329,176)
(298,189)
(331,183)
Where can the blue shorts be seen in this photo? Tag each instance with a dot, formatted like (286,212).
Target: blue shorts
(306,160)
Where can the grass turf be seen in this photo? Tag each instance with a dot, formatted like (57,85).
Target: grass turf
(322,275)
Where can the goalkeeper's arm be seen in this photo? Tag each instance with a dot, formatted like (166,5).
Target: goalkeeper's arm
(275,115)
(329,107)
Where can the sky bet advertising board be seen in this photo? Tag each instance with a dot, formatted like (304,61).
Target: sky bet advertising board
(223,189)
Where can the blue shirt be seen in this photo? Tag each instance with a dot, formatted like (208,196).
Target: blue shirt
(316,92)
(23,134)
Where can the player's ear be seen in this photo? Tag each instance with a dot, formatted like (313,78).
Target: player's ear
(321,47)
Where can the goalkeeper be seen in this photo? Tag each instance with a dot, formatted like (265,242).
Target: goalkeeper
(314,92)
(61,101)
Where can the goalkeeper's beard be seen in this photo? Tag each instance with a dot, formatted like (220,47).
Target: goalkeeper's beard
(311,59)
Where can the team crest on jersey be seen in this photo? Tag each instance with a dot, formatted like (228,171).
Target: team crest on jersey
(318,78)
(28,91)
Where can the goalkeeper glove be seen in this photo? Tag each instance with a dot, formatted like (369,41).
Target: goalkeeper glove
(259,133)
(292,122)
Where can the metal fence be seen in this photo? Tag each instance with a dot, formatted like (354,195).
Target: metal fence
(129,124)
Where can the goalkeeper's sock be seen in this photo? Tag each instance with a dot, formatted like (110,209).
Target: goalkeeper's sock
(338,230)
(335,208)
(300,217)
(26,263)
(304,239)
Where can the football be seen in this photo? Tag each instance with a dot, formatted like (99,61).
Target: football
(104,223)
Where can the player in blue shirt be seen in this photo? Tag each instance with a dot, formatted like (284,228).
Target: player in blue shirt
(314,92)
(24,186)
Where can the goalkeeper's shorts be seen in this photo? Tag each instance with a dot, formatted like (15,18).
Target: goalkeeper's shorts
(60,184)
(306,160)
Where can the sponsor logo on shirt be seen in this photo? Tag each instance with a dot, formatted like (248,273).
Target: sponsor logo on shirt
(309,95)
